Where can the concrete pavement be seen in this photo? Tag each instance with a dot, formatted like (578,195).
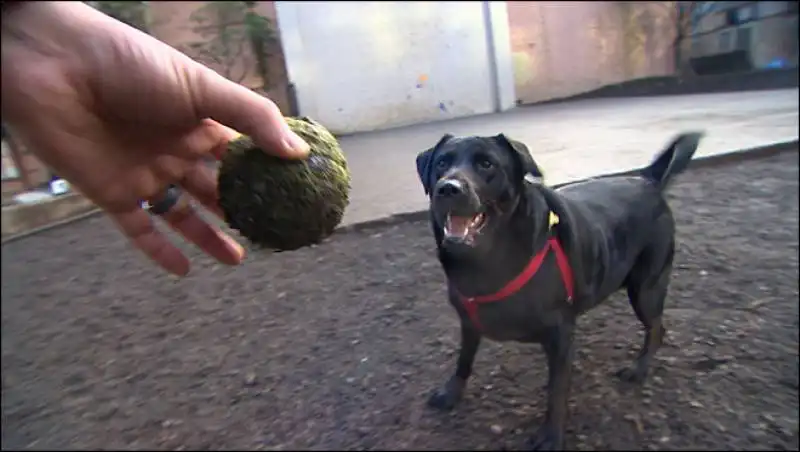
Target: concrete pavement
(572,140)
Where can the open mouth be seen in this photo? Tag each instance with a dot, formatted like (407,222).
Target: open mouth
(464,228)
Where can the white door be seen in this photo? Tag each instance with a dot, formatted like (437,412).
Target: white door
(360,66)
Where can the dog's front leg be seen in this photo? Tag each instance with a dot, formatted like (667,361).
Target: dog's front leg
(558,346)
(448,397)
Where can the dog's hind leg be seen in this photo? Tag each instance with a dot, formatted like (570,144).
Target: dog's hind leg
(647,290)
(447,398)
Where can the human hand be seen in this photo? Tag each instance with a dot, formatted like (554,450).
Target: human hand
(121,116)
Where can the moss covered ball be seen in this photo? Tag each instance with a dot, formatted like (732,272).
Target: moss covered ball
(285,204)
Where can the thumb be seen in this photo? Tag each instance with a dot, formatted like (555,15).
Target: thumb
(237,107)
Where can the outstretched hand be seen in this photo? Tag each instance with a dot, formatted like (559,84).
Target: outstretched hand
(121,116)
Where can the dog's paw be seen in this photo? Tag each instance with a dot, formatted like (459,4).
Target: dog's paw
(445,399)
(546,438)
(632,375)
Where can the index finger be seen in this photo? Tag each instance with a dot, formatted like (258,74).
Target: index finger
(237,107)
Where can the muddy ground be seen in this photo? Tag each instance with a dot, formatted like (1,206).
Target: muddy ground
(339,345)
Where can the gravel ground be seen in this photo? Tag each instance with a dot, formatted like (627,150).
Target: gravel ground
(338,346)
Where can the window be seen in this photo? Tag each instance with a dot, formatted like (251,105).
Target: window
(738,16)
(697,47)
(730,17)
(745,14)
(724,41)
(744,38)
(697,13)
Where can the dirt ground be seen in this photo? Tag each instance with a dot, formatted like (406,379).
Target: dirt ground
(338,346)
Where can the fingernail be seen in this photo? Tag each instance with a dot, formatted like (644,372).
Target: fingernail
(234,246)
(232,134)
(293,144)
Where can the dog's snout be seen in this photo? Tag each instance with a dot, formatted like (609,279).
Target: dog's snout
(449,188)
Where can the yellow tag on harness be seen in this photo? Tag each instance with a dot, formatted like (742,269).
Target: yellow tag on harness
(553,219)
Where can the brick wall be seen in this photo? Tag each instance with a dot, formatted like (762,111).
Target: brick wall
(171,23)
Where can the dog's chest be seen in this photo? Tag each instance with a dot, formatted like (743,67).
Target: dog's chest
(523,317)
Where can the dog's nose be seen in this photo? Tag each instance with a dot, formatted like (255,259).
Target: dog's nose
(449,188)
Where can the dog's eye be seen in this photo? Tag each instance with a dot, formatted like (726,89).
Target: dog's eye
(442,164)
(484,163)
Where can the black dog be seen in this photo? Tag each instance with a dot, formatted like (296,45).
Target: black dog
(514,275)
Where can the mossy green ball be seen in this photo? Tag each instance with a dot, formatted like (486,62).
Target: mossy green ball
(285,204)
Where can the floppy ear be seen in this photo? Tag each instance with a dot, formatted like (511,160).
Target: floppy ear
(425,163)
(522,155)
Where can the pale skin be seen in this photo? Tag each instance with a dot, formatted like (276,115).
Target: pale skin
(121,115)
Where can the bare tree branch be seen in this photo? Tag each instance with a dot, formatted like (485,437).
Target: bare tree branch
(237,57)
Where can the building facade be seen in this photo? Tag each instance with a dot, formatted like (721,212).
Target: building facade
(767,31)
(365,66)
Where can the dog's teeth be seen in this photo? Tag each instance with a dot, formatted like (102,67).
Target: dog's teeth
(457,226)
(476,220)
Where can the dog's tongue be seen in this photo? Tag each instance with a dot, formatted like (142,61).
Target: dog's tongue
(459,225)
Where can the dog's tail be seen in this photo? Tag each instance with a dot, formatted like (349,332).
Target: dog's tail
(672,160)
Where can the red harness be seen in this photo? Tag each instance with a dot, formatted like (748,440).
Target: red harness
(471,303)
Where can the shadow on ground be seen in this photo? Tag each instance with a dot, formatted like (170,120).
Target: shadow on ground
(338,346)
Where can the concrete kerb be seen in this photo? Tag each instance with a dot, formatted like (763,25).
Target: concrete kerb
(722,159)
(47,227)
(700,162)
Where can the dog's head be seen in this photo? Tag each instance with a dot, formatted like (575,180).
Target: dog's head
(474,184)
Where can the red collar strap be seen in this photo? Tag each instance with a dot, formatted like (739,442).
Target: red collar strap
(471,303)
